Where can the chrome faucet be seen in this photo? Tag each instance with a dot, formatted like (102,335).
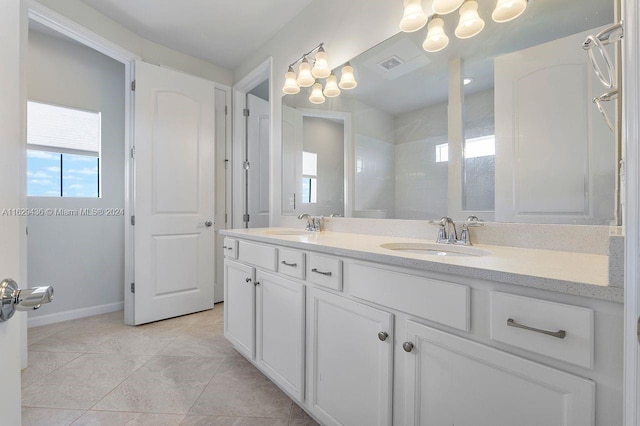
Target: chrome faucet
(314,224)
(465,236)
(447,234)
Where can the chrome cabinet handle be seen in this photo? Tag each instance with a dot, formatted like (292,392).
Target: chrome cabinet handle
(256,283)
(407,346)
(560,334)
(228,248)
(13,299)
(247,280)
(293,265)
(328,274)
(383,335)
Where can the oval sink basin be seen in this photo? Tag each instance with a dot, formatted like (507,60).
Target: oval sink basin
(433,249)
(286,232)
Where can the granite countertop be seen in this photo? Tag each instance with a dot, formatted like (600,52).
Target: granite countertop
(560,271)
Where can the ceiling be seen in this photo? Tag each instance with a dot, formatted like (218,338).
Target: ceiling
(223,32)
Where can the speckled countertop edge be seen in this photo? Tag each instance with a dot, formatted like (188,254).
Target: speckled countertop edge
(578,274)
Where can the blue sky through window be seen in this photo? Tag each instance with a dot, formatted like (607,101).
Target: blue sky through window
(79,175)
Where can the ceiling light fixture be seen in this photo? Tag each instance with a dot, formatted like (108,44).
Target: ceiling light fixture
(308,76)
(469,25)
(413,17)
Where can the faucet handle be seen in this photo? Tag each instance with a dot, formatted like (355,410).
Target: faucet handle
(442,232)
(472,221)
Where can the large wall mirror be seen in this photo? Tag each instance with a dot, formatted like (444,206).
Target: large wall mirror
(501,126)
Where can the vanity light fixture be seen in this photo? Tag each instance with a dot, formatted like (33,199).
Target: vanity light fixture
(469,24)
(413,17)
(347,79)
(467,80)
(508,10)
(436,38)
(308,76)
(316,94)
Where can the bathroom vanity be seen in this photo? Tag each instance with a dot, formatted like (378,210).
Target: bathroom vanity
(379,330)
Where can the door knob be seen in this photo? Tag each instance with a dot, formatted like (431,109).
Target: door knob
(383,335)
(208,224)
(13,299)
(407,346)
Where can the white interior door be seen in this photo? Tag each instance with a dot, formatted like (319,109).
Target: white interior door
(174,194)
(11,138)
(222,172)
(258,156)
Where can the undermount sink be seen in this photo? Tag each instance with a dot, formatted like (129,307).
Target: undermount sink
(433,249)
(286,232)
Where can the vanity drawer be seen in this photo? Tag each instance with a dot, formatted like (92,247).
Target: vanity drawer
(434,300)
(291,263)
(522,322)
(230,247)
(262,256)
(325,271)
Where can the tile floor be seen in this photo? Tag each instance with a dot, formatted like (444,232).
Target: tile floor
(182,371)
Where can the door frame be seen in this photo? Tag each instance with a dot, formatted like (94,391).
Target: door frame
(239,94)
(631,182)
(74,31)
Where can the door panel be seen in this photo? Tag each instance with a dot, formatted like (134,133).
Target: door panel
(239,309)
(174,194)
(222,173)
(258,155)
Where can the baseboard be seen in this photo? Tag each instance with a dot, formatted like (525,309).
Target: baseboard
(75,314)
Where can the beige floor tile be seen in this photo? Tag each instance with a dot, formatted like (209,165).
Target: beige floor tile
(82,382)
(48,416)
(81,337)
(131,342)
(203,345)
(43,363)
(232,421)
(239,390)
(113,418)
(299,417)
(35,334)
(163,385)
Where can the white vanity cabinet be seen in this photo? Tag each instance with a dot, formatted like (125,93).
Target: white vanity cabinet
(350,361)
(455,381)
(240,307)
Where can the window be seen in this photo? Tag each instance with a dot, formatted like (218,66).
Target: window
(480,147)
(442,153)
(63,151)
(309,177)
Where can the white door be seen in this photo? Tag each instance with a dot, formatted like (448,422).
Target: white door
(222,170)
(258,156)
(174,194)
(280,331)
(240,307)
(11,137)
(454,381)
(350,366)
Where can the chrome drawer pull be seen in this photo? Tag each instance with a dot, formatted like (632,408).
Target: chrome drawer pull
(328,274)
(293,265)
(560,334)
(228,248)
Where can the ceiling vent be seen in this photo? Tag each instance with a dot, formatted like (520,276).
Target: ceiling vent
(390,63)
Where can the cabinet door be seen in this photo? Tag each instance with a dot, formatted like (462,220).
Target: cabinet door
(350,366)
(239,307)
(454,381)
(280,331)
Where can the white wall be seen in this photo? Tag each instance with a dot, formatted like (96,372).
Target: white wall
(82,257)
(149,51)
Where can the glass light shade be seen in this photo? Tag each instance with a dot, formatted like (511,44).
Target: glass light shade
(347,79)
(331,89)
(470,22)
(316,94)
(506,10)
(290,83)
(414,17)
(321,66)
(305,79)
(436,38)
(442,7)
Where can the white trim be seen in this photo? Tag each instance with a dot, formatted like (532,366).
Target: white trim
(71,29)
(75,314)
(239,92)
(631,187)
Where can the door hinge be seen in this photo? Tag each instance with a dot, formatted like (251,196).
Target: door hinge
(638,330)
(245,217)
(225,218)
(133,152)
(226,164)
(133,220)
(245,112)
(246,165)
(133,287)
(133,86)
(226,110)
